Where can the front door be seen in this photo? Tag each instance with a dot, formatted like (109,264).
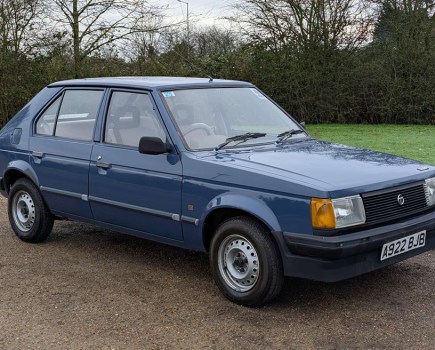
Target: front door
(141,193)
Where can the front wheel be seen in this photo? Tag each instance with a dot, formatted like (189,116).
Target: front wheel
(28,215)
(245,262)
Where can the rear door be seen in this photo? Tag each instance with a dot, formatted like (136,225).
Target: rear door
(61,148)
(131,190)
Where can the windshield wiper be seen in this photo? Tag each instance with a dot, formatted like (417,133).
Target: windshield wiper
(241,138)
(287,134)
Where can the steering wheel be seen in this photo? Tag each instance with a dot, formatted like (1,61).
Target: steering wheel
(198,126)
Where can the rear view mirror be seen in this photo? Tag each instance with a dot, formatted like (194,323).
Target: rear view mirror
(153,146)
(302,124)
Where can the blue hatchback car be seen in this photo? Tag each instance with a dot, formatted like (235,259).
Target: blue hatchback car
(213,166)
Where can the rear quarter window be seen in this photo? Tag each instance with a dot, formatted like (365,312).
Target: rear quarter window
(46,122)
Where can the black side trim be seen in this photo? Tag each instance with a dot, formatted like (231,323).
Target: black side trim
(61,192)
(190,220)
(154,212)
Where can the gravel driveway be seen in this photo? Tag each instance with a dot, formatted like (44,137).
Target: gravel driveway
(87,288)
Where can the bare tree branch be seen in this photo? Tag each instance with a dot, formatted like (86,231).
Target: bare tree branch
(95,24)
(305,24)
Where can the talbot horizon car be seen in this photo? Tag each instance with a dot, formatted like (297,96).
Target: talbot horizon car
(213,166)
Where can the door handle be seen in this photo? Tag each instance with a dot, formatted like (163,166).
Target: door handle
(104,166)
(38,155)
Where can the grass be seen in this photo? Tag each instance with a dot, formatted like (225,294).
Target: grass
(409,141)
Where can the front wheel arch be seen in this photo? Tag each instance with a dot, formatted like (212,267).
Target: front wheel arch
(219,215)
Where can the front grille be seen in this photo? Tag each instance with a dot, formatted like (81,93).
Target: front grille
(384,205)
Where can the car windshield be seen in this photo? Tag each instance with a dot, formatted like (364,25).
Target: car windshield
(207,118)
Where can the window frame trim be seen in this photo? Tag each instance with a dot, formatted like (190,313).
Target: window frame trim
(61,95)
(41,113)
(105,113)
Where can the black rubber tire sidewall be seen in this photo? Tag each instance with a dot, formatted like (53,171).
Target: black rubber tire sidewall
(44,221)
(271,276)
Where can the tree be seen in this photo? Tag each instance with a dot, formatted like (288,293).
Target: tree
(404,23)
(213,41)
(302,52)
(18,28)
(95,24)
(305,24)
(404,46)
(17,24)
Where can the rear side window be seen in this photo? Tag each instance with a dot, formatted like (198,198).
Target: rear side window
(130,117)
(46,122)
(71,116)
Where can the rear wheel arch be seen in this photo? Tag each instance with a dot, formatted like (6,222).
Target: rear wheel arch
(12,176)
(17,170)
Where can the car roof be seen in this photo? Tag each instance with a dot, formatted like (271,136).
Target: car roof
(152,82)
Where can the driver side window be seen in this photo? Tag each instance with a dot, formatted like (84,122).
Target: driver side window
(130,117)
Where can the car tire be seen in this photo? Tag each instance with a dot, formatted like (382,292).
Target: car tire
(245,262)
(29,216)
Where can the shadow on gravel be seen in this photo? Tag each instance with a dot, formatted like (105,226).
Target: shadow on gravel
(194,268)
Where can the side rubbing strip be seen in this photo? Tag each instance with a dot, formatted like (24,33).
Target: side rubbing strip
(154,212)
(62,193)
(190,220)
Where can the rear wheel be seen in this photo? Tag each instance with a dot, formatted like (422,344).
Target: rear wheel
(28,215)
(245,262)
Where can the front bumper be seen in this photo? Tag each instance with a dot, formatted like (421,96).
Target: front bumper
(335,258)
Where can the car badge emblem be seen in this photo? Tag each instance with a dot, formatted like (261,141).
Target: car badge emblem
(423,168)
(400,199)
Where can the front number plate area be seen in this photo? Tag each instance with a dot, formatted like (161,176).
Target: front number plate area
(403,245)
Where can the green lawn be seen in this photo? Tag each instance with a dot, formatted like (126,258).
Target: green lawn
(410,141)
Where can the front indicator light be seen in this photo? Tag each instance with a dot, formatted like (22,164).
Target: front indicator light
(337,213)
(322,213)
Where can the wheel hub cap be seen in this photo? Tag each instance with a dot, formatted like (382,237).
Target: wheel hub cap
(23,210)
(238,263)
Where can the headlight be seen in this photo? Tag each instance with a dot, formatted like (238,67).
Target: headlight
(430,191)
(337,213)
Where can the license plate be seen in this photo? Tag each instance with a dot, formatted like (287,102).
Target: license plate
(403,245)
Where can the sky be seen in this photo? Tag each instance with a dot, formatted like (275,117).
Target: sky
(201,12)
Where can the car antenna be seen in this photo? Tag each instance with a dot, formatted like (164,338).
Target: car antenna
(196,67)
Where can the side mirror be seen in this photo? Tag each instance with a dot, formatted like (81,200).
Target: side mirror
(153,146)
(302,124)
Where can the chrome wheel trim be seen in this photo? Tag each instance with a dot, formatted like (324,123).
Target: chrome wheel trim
(238,262)
(23,211)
